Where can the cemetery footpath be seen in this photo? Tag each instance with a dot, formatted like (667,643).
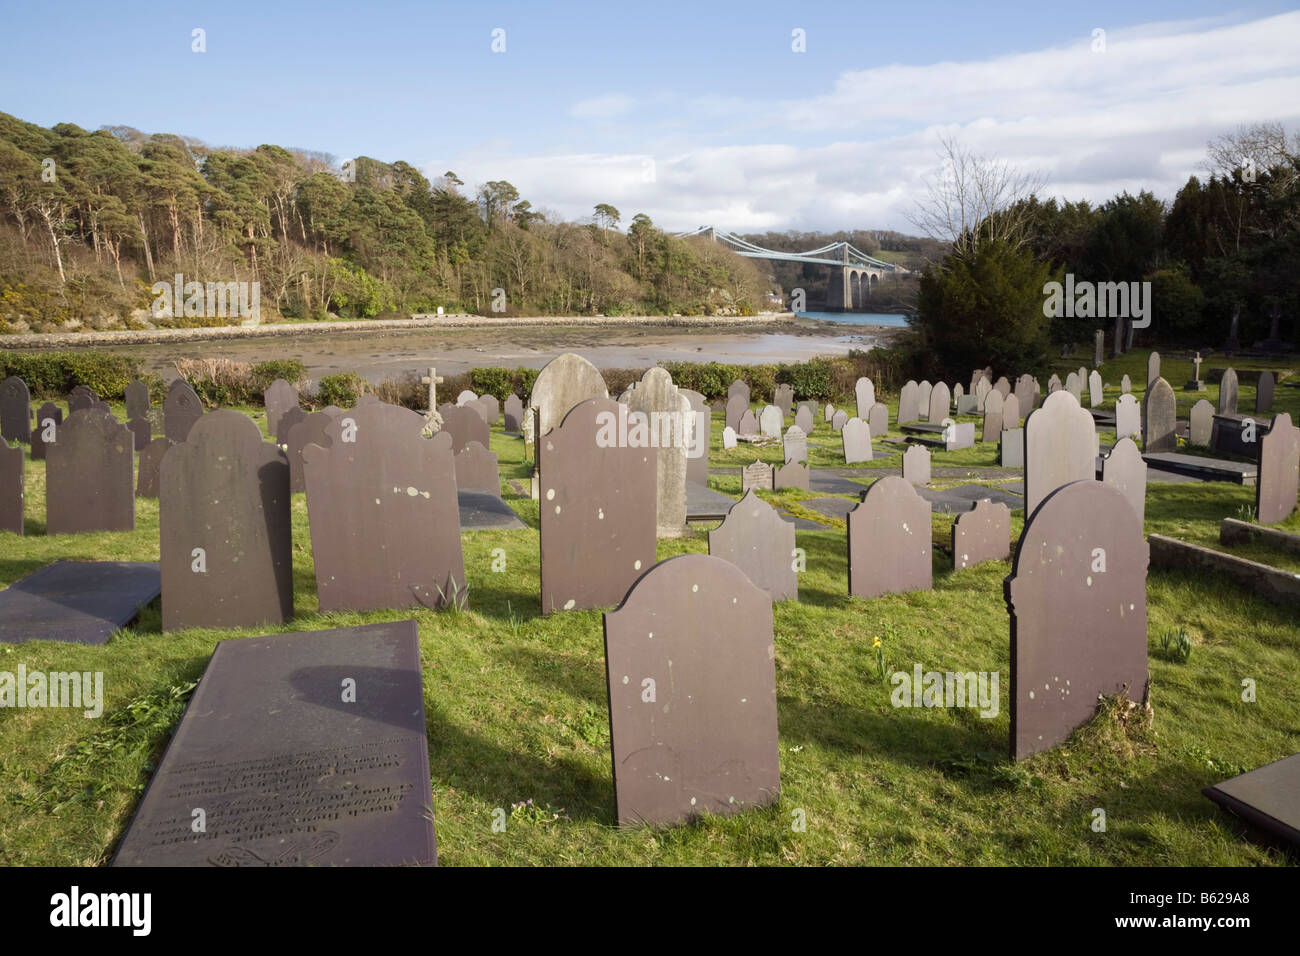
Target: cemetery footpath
(516,707)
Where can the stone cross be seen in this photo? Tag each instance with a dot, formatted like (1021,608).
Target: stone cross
(433,380)
(1196,367)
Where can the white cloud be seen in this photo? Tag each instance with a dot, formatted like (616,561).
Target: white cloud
(601,107)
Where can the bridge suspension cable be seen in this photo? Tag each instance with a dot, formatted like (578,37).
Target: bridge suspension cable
(848,254)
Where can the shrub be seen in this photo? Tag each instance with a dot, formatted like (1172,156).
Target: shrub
(53,374)
(342,390)
(219,381)
(406,391)
(498,381)
(810,380)
(292,371)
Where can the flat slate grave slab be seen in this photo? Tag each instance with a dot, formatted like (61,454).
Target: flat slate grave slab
(78,602)
(802,524)
(301,749)
(829,483)
(481,511)
(1206,469)
(831,507)
(705,504)
(1268,798)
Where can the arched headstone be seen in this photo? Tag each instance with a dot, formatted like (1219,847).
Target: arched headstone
(1010,412)
(1159,409)
(1096,390)
(697,456)
(1128,416)
(916,465)
(181,410)
(15,410)
(12,486)
(671,426)
(1279,471)
(737,407)
(1228,393)
(783,398)
(841,416)
(562,383)
(310,431)
(1153,368)
(90,475)
(908,403)
(865,393)
(889,540)
(1060,447)
(476,470)
(279,397)
(923,391)
(804,419)
(728,438)
(769,421)
(748,424)
(795,444)
(463,424)
(793,474)
(1264,393)
(149,472)
(48,419)
(514,409)
(993,404)
(940,403)
(757,475)
(137,400)
(856,436)
(878,420)
(1200,424)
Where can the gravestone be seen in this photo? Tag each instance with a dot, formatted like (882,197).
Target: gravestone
(737,406)
(760,542)
(1201,424)
(304,749)
(957,392)
(908,403)
(916,465)
(181,410)
(783,398)
(841,417)
(795,444)
(982,389)
(992,416)
(385,523)
(141,433)
(958,436)
(692,705)
(1024,391)
(1279,471)
(1053,383)
(1195,385)
(656,397)
(741,388)
(514,410)
(1098,349)
(82,602)
(793,474)
(865,393)
(1060,447)
(748,425)
(489,407)
(137,400)
(981,534)
(562,383)
(82,396)
(1074,386)
(804,419)
(463,425)
(1159,408)
(856,436)
(48,419)
(1128,416)
(1125,385)
(279,398)
(1077,600)
(290,418)
(1153,368)
(757,475)
(12,480)
(770,421)
(149,473)
(309,431)
(1010,412)
(1266,799)
(728,437)
(697,465)
(1125,470)
(940,403)
(1096,391)
(15,411)
(476,470)
(828,412)
(89,476)
(889,540)
(923,392)
(1003,386)
(465,397)
(878,420)
(1264,393)
(224,527)
(1011,448)
(596,502)
(1228,393)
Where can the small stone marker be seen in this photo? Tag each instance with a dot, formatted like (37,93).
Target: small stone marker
(1060,447)
(804,419)
(957,436)
(1074,385)
(981,534)
(756,539)
(992,416)
(48,419)
(90,476)
(1195,385)
(829,412)
(916,465)
(856,436)
(692,705)
(149,473)
(491,406)
(1264,393)
(1053,383)
(80,602)
(1201,424)
(1228,393)
(1011,448)
(793,474)
(1096,390)
(303,749)
(1159,407)
(465,397)
(841,417)
(463,425)
(1153,368)
(476,470)
(1128,416)
(748,425)
(279,397)
(15,411)
(728,437)
(13,462)
(770,421)
(1003,386)
(758,475)
(181,410)
(795,444)
(878,420)
(889,540)
(982,389)
(1279,471)
(1126,471)
(865,393)
(1077,600)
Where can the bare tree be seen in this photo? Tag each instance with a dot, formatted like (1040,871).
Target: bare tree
(1255,147)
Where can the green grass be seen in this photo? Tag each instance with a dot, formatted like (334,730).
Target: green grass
(517,711)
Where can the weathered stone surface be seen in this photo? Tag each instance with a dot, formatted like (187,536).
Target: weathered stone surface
(909,408)
(597,512)
(1053,383)
(1125,386)
(385,526)
(916,465)
(1159,408)
(1011,448)
(671,424)
(1153,368)
(1228,393)
(476,470)
(310,431)
(981,534)
(741,388)
(141,433)
(292,416)
(692,705)
(1128,416)
(697,457)
(856,436)
(489,407)
(761,543)
(1233,531)
(137,400)
(15,411)
(181,410)
(12,486)
(770,421)
(1096,390)
(783,398)
(758,475)
(89,474)
(81,602)
(993,404)
(1077,600)
(224,527)
(1011,412)
(748,425)
(795,444)
(889,540)
(728,437)
(804,419)
(1074,386)
(923,392)
(83,396)
(149,473)
(1126,471)
(48,419)
(981,392)
(562,383)
(1201,424)
(793,474)
(1279,471)
(463,425)
(280,398)
(1264,393)
(865,393)
(1060,447)
(838,422)
(290,769)
(1025,388)
(828,412)
(737,407)
(878,420)
(514,410)
(940,403)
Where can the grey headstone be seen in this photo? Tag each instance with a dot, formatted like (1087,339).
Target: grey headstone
(783,398)
(909,403)
(697,465)
(657,397)
(889,540)
(1003,386)
(841,416)
(1024,393)
(916,465)
(968,404)
(1201,424)
(737,406)
(878,420)
(149,474)
(1098,349)
(747,425)
(47,414)
(463,424)
(1228,393)
(1264,393)
(476,470)
(137,400)
(465,397)
(923,391)
(981,392)
(828,412)
(1128,416)
(1125,385)
(741,388)
(1159,407)
(793,474)
(804,419)
(957,436)
(1153,368)
(1011,416)
(1096,390)
(865,393)
(562,383)
(292,416)
(981,534)
(181,410)
(15,410)
(82,396)
(1279,471)
(795,444)
(13,464)
(770,421)
(1053,383)
(760,542)
(758,475)
(141,432)
(856,436)
(89,475)
(1265,798)
(490,407)
(279,397)
(1125,470)
(1074,386)
(992,416)
(1060,447)
(514,410)
(1011,448)
(940,403)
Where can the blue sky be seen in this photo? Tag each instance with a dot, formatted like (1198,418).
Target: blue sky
(692,112)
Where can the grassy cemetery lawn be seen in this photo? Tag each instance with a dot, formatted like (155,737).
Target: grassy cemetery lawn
(518,718)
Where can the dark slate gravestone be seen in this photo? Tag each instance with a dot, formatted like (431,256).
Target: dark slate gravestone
(141,432)
(1228,393)
(916,465)
(1268,798)
(149,473)
(597,511)
(856,436)
(90,476)
(909,409)
(181,410)
(490,407)
(783,398)
(940,402)
(1077,598)
(291,417)
(514,410)
(795,444)
(841,416)
(1153,368)
(1279,471)
(82,396)
(463,425)
(748,424)
(758,475)
(889,540)
(793,474)
(476,470)
(1159,410)
(224,527)
(692,705)
(737,406)
(381,502)
(303,749)
(981,534)
(1060,447)
(1264,393)
(13,463)
(761,543)
(1128,416)
(1126,471)
(15,411)
(1201,424)
(992,416)
(309,431)
(878,420)
(137,400)
(479,406)
(1011,448)
(697,467)
(82,602)
(48,419)
(804,419)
